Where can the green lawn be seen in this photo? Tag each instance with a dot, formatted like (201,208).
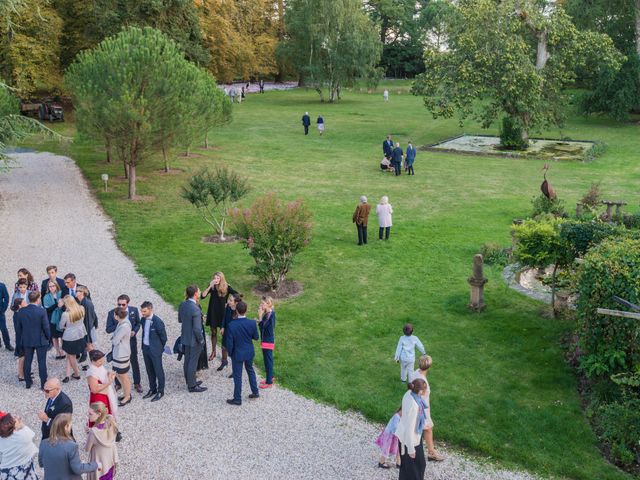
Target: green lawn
(500,385)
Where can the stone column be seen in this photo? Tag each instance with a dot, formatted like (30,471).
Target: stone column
(477,282)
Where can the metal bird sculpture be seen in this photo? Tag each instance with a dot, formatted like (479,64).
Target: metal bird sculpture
(546,187)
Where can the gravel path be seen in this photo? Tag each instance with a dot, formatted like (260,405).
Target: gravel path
(47,216)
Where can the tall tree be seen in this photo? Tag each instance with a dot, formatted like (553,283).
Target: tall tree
(514,58)
(130,82)
(330,42)
(30,48)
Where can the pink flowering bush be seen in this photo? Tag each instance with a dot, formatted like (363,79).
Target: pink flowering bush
(274,232)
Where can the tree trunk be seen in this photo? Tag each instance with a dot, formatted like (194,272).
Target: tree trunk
(206,141)
(525,118)
(638,26)
(166,159)
(542,53)
(319,90)
(132,182)
(107,146)
(126,169)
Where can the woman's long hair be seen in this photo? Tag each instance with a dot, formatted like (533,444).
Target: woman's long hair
(75,311)
(223,287)
(59,428)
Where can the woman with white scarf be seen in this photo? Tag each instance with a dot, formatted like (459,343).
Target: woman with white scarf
(409,432)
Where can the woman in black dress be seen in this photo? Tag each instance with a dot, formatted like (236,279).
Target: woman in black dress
(220,291)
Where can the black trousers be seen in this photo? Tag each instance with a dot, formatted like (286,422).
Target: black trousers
(135,365)
(412,468)
(155,370)
(410,170)
(306,129)
(191,355)
(362,234)
(397,167)
(41,353)
(4,331)
(386,231)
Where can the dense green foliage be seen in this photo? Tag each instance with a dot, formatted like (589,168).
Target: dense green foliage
(511,135)
(618,424)
(274,233)
(500,385)
(581,236)
(542,205)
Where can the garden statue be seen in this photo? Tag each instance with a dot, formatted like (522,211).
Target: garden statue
(477,282)
(546,187)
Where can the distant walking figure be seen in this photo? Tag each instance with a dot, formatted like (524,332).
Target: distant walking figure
(361,218)
(320,123)
(385,94)
(306,121)
(384,211)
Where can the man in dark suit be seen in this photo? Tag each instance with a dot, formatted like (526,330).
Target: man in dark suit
(190,316)
(242,332)
(154,338)
(70,285)
(306,121)
(387,147)
(52,271)
(4,304)
(33,335)
(134,319)
(57,402)
(396,158)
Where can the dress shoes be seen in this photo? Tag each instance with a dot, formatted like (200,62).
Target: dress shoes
(10,348)
(138,387)
(197,389)
(149,394)
(28,385)
(158,396)
(231,401)
(198,383)
(254,395)
(123,403)
(221,367)
(230,375)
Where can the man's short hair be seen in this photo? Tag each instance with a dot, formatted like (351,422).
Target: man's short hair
(34,297)
(70,276)
(241,307)
(52,267)
(147,304)
(125,297)
(191,290)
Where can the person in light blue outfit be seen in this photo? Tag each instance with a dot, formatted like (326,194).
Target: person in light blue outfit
(406,352)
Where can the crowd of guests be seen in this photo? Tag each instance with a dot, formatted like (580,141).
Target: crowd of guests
(59,316)
(393,157)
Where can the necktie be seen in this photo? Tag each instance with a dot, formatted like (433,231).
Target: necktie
(49,402)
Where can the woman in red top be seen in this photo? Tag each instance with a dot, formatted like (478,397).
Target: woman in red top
(101,383)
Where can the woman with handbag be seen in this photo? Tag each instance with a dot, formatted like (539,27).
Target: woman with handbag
(74,336)
(50,304)
(121,353)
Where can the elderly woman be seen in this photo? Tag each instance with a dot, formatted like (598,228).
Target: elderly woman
(101,383)
(361,219)
(122,353)
(409,431)
(16,449)
(59,453)
(384,211)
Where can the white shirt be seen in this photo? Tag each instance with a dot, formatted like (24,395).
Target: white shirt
(17,449)
(147,329)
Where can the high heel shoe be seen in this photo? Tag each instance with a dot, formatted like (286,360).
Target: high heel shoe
(122,404)
(75,377)
(65,380)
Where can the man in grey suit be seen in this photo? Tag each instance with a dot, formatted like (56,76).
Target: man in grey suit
(190,316)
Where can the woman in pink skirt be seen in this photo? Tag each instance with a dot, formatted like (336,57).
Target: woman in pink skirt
(387,441)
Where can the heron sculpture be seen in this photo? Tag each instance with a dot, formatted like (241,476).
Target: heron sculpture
(546,187)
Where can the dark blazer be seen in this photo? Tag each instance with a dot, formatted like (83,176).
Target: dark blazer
(242,332)
(32,327)
(411,154)
(387,147)
(65,290)
(267,327)
(134,319)
(4,299)
(157,335)
(397,155)
(62,404)
(90,317)
(62,461)
(43,286)
(190,316)
(306,121)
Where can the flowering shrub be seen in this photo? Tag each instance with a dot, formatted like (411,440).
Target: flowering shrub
(274,232)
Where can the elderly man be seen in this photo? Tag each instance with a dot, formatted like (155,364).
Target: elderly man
(57,402)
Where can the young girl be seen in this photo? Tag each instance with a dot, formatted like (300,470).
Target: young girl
(101,441)
(267,325)
(406,352)
(387,441)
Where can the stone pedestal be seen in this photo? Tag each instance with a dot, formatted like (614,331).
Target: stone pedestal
(477,282)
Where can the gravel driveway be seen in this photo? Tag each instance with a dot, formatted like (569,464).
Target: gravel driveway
(48,216)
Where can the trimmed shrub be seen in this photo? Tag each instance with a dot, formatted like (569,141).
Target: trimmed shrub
(609,345)
(274,232)
(511,135)
(581,236)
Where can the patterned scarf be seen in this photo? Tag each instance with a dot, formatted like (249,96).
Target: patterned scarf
(422,412)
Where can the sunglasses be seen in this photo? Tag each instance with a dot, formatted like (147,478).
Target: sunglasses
(49,390)
(122,304)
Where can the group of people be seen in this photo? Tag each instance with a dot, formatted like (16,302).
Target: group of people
(360,217)
(306,123)
(411,426)
(393,157)
(63,319)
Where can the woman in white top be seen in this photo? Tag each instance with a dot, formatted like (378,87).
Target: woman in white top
(425,363)
(16,449)
(384,211)
(74,335)
(409,432)
(122,353)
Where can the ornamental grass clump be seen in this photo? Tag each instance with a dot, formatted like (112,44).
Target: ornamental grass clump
(274,232)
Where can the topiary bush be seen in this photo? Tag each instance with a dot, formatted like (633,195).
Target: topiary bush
(608,345)
(511,135)
(542,205)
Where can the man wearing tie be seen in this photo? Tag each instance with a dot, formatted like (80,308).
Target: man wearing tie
(242,332)
(57,402)
(134,319)
(154,338)
(33,335)
(70,285)
(190,316)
